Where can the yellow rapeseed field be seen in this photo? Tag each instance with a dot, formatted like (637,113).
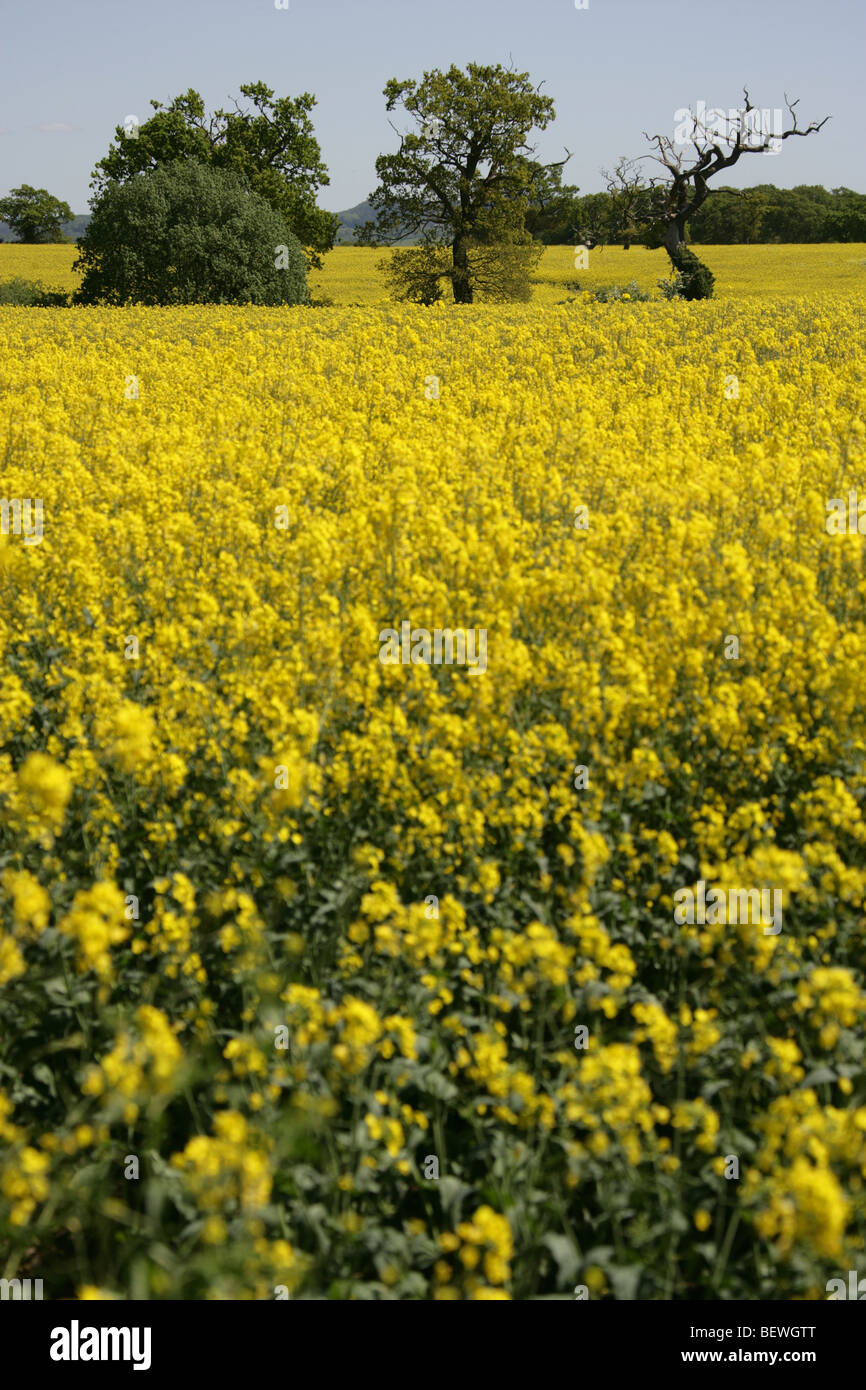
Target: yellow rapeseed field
(324,977)
(351,275)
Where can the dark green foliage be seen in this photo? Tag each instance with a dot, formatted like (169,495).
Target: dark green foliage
(693,279)
(806,214)
(30,294)
(271,144)
(550,215)
(185,233)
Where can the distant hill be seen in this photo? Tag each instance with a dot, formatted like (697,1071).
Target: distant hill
(356,217)
(77,226)
(73,229)
(352,218)
(349,220)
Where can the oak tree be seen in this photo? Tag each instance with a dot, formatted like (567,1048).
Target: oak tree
(462,182)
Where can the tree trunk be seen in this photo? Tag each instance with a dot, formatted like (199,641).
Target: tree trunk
(460,277)
(694,279)
(675,239)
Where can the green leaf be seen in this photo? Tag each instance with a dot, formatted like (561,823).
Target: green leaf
(439,1085)
(43,1073)
(816,1077)
(624,1280)
(564,1253)
(451,1193)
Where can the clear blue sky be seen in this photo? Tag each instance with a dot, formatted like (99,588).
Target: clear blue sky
(70,70)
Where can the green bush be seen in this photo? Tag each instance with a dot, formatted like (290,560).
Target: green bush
(185,233)
(415,273)
(609,294)
(693,279)
(31,294)
(499,271)
(18,291)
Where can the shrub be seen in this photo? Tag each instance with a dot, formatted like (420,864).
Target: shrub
(693,279)
(30,294)
(609,294)
(500,271)
(185,233)
(416,273)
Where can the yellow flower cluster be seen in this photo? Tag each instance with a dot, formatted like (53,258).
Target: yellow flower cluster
(96,921)
(137,1067)
(484,1243)
(228,1170)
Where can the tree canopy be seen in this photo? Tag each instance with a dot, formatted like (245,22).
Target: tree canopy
(462,179)
(270,142)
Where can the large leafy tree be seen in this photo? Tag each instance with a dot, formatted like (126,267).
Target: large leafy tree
(186,233)
(462,181)
(269,142)
(34,214)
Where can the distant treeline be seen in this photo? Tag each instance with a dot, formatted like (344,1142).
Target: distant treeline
(71,230)
(761,214)
(730,215)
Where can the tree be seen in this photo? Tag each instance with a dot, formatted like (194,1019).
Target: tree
(592,219)
(271,144)
(631,207)
(701,149)
(34,214)
(847,221)
(463,181)
(550,216)
(186,233)
(731,215)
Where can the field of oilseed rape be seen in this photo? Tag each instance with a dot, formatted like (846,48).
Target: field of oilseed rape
(352,276)
(325,976)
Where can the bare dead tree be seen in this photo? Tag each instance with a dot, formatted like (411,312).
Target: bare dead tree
(632,199)
(664,203)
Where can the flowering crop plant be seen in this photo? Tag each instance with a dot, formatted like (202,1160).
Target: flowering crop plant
(325,976)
